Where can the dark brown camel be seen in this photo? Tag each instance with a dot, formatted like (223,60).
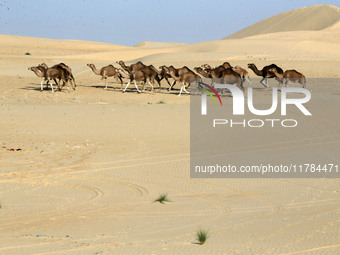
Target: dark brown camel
(265,73)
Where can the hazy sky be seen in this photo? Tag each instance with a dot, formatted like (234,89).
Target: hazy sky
(130,22)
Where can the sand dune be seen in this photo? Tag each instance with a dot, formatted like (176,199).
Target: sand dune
(19,45)
(311,18)
(147,44)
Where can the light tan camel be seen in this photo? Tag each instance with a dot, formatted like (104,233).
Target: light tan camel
(290,75)
(107,71)
(244,74)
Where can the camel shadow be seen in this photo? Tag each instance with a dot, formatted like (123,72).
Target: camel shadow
(31,88)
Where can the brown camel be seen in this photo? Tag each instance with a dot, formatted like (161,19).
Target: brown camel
(39,71)
(52,73)
(150,72)
(132,67)
(67,68)
(177,72)
(290,75)
(163,75)
(202,72)
(265,73)
(185,78)
(229,76)
(136,76)
(244,74)
(226,65)
(107,71)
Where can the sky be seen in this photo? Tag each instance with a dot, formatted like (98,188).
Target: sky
(128,22)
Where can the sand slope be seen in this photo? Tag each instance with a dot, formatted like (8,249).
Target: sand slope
(93,160)
(310,18)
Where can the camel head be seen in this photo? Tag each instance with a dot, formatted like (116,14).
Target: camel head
(251,65)
(198,69)
(206,66)
(43,65)
(89,65)
(120,62)
(166,69)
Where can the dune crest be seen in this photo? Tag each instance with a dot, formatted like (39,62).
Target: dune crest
(312,18)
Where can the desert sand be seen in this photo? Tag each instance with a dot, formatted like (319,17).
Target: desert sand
(92,161)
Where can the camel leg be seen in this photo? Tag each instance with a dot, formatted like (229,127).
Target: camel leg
(171,86)
(121,82)
(48,82)
(41,86)
(183,86)
(303,82)
(286,82)
(168,81)
(134,81)
(153,90)
(185,89)
(263,82)
(105,83)
(247,79)
(127,85)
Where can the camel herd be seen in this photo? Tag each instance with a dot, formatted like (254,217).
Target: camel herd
(152,76)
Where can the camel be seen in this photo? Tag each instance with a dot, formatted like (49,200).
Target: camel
(132,67)
(290,75)
(215,72)
(39,71)
(244,74)
(51,73)
(177,72)
(136,76)
(163,75)
(67,68)
(202,72)
(182,75)
(229,76)
(107,71)
(226,65)
(150,72)
(265,73)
